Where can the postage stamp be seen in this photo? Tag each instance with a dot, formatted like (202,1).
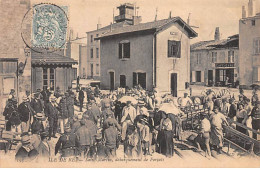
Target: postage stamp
(49,26)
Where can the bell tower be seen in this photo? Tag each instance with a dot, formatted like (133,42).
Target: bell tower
(126,12)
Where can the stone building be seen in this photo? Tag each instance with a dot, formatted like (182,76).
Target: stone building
(249,45)
(15,57)
(215,62)
(153,54)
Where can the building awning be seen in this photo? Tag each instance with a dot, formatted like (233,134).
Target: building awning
(53,61)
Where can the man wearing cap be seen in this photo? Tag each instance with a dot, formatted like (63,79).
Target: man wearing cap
(12,94)
(217,119)
(10,112)
(84,138)
(67,143)
(51,112)
(46,95)
(256,118)
(224,106)
(25,114)
(232,109)
(110,138)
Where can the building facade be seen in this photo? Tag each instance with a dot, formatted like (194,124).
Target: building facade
(76,49)
(215,62)
(154,54)
(249,45)
(15,57)
(52,70)
(126,17)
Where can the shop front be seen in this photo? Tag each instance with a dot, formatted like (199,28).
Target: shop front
(225,74)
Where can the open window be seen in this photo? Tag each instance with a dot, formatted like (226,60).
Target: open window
(124,49)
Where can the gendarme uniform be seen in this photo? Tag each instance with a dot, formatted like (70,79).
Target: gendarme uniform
(67,144)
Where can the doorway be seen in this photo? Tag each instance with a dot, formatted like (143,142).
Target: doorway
(174,84)
(139,78)
(92,70)
(122,81)
(112,80)
(210,77)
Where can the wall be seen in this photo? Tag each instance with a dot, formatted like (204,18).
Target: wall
(247,58)
(206,62)
(141,55)
(12,45)
(164,66)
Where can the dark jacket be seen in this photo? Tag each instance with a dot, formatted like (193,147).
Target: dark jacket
(84,136)
(37,126)
(51,111)
(37,105)
(24,112)
(68,140)
(255,113)
(111,120)
(232,111)
(63,108)
(111,137)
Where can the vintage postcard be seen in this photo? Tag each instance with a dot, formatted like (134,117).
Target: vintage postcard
(130,83)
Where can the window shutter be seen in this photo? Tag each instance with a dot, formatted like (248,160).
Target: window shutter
(126,50)
(134,79)
(202,76)
(193,76)
(179,49)
(120,50)
(169,48)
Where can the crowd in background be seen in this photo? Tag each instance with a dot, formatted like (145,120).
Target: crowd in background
(143,122)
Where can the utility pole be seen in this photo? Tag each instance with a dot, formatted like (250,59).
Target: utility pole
(156,14)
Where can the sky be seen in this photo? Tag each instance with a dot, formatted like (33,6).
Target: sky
(205,14)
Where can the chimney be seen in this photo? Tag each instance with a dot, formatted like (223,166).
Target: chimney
(137,20)
(217,34)
(251,8)
(170,14)
(243,12)
(99,25)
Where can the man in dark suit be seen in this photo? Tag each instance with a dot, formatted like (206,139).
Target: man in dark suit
(25,114)
(36,103)
(81,98)
(51,112)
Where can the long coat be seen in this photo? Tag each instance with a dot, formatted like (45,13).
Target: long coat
(51,111)
(37,105)
(24,112)
(63,108)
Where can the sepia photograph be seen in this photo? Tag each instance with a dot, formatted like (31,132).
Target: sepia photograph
(129,83)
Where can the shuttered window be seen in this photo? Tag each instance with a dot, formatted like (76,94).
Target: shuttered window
(174,48)
(124,50)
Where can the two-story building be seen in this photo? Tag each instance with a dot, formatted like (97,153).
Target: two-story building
(153,54)
(249,45)
(215,62)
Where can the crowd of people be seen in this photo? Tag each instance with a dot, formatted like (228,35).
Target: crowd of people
(139,120)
